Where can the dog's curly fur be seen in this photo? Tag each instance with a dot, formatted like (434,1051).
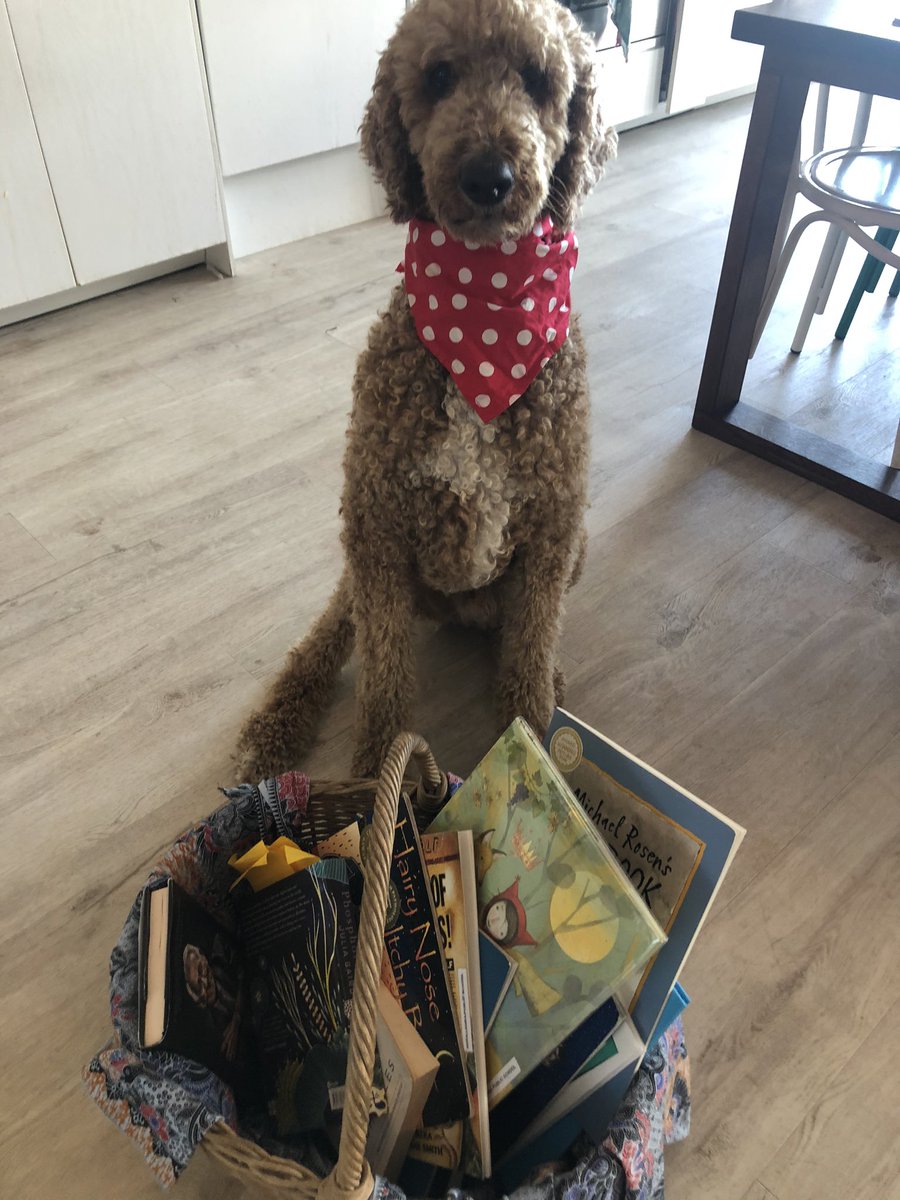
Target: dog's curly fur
(443,515)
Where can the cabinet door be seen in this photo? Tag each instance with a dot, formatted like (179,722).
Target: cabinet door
(709,63)
(290,78)
(117,94)
(33,257)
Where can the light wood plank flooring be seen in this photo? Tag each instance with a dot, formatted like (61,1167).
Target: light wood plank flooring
(168,525)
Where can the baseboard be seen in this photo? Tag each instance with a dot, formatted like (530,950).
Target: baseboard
(89,291)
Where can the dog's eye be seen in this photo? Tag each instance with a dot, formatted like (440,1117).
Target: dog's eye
(440,79)
(535,82)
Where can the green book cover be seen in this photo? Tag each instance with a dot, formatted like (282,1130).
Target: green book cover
(551,893)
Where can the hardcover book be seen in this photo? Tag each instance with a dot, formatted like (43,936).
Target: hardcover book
(190,981)
(299,939)
(517,1111)
(620,1052)
(675,848)
(412,940)
(450,859)
(554,897)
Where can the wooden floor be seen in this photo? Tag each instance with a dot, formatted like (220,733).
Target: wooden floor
(168,524)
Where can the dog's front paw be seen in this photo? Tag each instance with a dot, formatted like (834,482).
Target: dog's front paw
(263,749)
(531,699)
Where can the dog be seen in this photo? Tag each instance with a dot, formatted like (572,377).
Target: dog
(463,500)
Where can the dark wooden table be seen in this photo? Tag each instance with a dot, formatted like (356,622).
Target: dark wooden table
(848,43)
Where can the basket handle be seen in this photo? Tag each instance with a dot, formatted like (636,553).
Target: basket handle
(351,1178)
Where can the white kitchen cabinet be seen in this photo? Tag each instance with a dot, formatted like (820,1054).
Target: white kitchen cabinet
(117,93)
(709,65)
(33,256)
(290,78)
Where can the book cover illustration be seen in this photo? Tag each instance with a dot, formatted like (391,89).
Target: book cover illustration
(674,847)
(450,860)
(412,941)
(497,970)
(552,895)
(300,945)
(191,982)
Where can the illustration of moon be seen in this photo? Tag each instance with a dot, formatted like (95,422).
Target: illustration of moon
(584,927)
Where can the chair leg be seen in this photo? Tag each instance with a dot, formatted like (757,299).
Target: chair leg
(895,457)
(812,296)
(777,276)
(868,277)
(895,286)
(838,240)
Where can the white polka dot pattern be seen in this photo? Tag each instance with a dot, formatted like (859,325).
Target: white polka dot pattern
(492,315)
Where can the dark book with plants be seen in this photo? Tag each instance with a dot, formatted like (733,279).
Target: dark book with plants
(299,941)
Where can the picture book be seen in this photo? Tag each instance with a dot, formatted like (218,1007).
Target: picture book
(497,970)
(519,1108)
(450,859)
(552,894)
(554,1130)
(408,1071)
(674,848)
(587,1103)
(623,1048)
(299,939)
(190,981)
(413,942)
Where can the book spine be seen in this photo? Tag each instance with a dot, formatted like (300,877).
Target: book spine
(415,956)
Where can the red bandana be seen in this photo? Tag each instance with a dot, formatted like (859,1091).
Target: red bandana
(492,315)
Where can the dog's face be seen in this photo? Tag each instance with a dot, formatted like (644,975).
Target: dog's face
(484,116)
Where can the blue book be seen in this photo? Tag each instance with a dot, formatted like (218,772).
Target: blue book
(516,1111)
(674,848)
(675,1005)
(593,1114)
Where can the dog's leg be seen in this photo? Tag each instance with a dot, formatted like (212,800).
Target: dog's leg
(383,615)
(529,681)
(274,738)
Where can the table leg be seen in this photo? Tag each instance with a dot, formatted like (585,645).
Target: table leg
(770,157)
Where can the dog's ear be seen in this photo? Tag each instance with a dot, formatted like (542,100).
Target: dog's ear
(591,142)
(385,145)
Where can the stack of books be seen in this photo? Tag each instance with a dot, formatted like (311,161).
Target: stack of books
(534,935)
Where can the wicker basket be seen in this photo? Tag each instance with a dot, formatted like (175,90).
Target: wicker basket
(332,806)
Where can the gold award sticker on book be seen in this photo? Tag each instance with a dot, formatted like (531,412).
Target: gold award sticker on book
(566,749)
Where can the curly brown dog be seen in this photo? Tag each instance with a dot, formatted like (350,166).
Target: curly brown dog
(483,120)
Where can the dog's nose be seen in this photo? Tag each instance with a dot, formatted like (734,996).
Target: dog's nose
(486,179)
